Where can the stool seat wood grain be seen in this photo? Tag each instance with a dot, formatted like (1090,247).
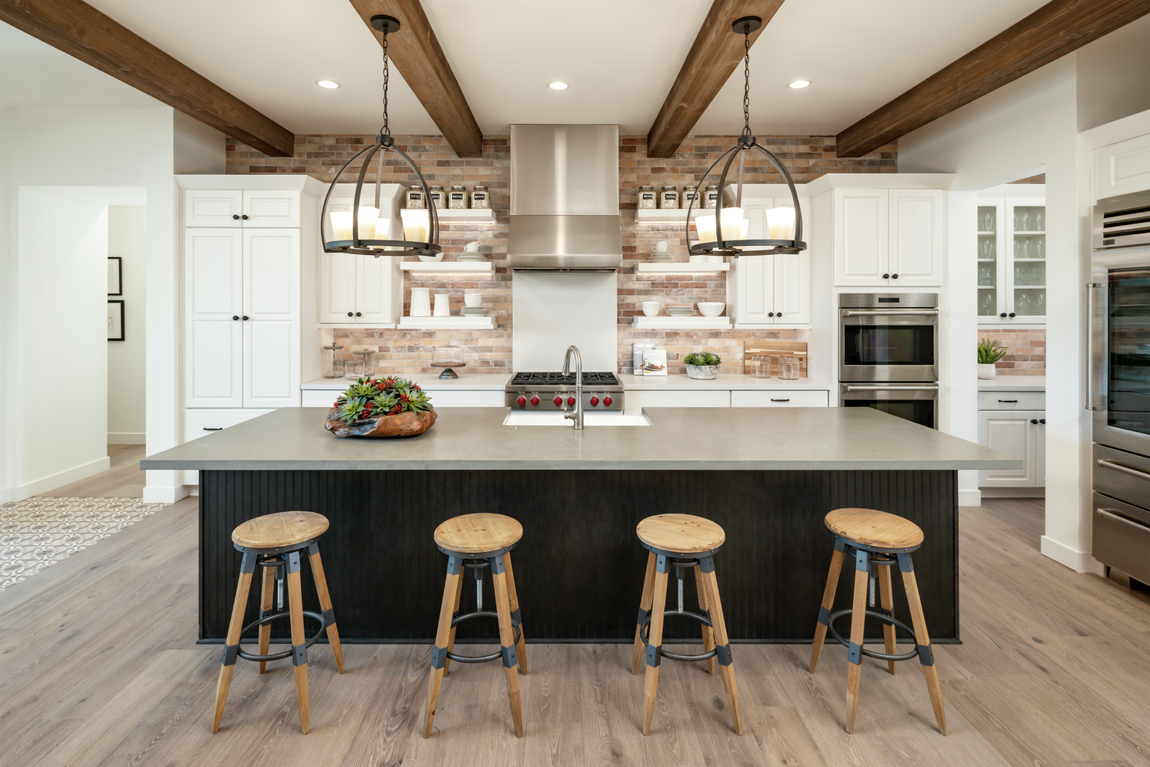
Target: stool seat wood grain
(680,533)
(273,531)
(478,533)
(874,528)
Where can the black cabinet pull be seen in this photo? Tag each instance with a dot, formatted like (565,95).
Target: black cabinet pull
(1010,401)
(245,318)
(770,314)
(213,428)
(244,217)
(358,314)
(894,276)
(349,314)
(1034,420)
(235,317)
(1003,315)
(1011,314)
(886,276)
(788,399)
(1042,421)
(235,216)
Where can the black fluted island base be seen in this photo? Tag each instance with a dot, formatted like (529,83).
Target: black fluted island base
(579,567)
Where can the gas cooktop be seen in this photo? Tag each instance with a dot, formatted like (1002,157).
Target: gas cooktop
(555,391)
(598,380)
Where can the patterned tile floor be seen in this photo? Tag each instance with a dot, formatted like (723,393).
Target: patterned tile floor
(42,531)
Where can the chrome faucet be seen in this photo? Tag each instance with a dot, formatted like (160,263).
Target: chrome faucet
(575,415)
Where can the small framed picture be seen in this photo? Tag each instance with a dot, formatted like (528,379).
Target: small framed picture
(116,320)
(115,276)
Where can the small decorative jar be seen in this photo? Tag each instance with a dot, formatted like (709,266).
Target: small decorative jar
(333,367)
(415,199)
(789,368)
(457,198)
(437,196)
(480,199)
(669,198)
(647,197)
(711,196)
(690,196)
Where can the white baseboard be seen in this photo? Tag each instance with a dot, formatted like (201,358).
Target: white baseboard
(49,483)
(7,494)
(154,494)
(969,497)
(126,438)
(1078,561)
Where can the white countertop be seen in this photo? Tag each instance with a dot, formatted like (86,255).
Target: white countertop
(1013,383)
(427,382)
(725,382)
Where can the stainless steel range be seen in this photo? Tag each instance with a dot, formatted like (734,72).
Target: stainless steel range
(556,391)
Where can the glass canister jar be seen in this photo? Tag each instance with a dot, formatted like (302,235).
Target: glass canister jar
(760,365)
(711,196)
(457,197)
(646,197)
(436,194)
(332,366)
(480,199)
(669,198)
(415,199)
(690,196)
(789,368)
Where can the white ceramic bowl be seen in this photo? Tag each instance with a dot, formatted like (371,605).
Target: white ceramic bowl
(473,299)
(651,308)
(711,308)
(436,257)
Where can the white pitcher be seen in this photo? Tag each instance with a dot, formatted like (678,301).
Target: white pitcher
(420,302)
(442,305)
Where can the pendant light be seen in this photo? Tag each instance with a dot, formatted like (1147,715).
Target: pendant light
(723,231)
(362,230)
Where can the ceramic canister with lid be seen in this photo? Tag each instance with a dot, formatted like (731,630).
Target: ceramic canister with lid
(457,197)
(480,199)
(669,198)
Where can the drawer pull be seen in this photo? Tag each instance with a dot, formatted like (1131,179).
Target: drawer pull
(1009,401)
(1111,515)
(1124,469)
(788,399)
(213,428)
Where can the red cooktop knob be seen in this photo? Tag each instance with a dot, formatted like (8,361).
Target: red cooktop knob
(594,401)
(558,400)
(607,402)
(534,400)
(571,401)
(522,400)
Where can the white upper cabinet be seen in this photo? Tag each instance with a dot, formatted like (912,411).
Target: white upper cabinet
(771,290)
(272,330)
(1122,168)
(1012,260)
(360,290)
(889,238)
(235,208)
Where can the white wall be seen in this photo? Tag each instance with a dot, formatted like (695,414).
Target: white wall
(1114,75)
(127,238)
(198,148)
(1027,124)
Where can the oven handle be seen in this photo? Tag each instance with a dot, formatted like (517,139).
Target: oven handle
(1097,346)
(1110,515)
(1124,469)
(889,312)
(923,387)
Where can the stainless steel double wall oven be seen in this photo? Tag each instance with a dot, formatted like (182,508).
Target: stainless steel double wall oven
(889,354)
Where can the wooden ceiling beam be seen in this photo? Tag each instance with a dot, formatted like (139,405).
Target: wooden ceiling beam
(1055,29)
(81,31)
(419,58)
(712,59)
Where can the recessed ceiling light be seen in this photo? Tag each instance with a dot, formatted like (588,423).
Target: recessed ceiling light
(799,84)
(329,84)
(558,86)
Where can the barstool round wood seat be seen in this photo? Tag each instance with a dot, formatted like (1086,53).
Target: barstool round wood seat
(274,542)
(479,542)
(876,540)
(681,541)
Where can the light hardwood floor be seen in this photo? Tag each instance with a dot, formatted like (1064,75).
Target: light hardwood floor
(99,666)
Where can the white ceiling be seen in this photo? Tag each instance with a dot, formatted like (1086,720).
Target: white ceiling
(619,58)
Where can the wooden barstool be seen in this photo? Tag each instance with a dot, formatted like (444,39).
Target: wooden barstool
(479,542)
(876,540)
(274,542)
(682,541)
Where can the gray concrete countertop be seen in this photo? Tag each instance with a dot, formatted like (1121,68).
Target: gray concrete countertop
(724,382)
(294,439)
(1013,383)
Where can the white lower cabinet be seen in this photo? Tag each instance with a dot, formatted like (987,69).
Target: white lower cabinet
(1017,433)
(199,422)
(636,400)
(780,398)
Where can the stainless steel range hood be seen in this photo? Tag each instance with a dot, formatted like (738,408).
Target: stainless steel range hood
(564,199)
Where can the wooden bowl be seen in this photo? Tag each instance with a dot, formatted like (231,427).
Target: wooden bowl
(401,425)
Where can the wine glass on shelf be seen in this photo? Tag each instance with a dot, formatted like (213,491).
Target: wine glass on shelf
(1040,219)
(1022,303)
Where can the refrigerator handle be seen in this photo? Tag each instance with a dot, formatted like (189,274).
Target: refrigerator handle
(1097,347)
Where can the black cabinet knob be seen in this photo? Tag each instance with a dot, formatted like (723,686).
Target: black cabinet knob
(244,217)
(1011,314)
(1003,315)
(893,276)
(236,216)
(358,314)
(1042,421)
(235,317)
(349,314)
(886,276)
(245,318)
(770,314)
(1034,420)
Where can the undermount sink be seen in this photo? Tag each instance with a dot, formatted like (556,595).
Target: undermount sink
(520,418)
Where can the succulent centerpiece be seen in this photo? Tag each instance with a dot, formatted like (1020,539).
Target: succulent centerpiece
(381,407)
(702,365)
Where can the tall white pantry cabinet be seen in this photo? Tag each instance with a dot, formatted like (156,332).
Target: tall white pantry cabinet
(250,259)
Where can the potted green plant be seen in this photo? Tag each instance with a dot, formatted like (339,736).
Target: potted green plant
(383,407)
(990,351)
(702,365)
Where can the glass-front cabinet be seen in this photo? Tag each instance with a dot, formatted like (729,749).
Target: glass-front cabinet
(1012,261)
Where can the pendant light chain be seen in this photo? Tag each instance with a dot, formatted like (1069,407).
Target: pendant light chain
(385,131)
(746,79)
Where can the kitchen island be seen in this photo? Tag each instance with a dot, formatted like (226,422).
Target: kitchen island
(768,476)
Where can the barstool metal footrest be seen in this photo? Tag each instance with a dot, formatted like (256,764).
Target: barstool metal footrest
(645,632)
(279,616)
(883,617)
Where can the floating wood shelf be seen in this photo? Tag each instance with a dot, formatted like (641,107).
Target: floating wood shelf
(681,323)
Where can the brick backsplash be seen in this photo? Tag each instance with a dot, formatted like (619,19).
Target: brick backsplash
(1027,355)
(410,352)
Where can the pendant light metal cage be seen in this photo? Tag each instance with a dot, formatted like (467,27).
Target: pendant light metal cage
(370,245)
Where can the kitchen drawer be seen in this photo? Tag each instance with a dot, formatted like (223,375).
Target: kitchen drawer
(200,423)
(783,398)
(637,400)
(1122,536)
(1122,475)
(1012,400)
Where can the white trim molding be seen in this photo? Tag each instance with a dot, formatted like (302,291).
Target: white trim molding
(51,482)
(167,495)
(1078,561)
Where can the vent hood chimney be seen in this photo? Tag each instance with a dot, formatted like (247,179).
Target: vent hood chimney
(564,199)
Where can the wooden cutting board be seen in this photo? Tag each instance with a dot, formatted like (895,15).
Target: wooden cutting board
(776,349)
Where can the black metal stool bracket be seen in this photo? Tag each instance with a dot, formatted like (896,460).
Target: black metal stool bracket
(286,653)
(882,617)
(645,631)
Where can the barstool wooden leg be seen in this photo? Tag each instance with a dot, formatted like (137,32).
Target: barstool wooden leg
(267,595)
(722,642)
(516,616)
(708,632)
(235,626)
(886,599)
(298,638)
(451,632)
(644,609)
(858,624)
(499,575)
(925,653)
(828,602)
(325,604)
(451,590)
(658,603)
